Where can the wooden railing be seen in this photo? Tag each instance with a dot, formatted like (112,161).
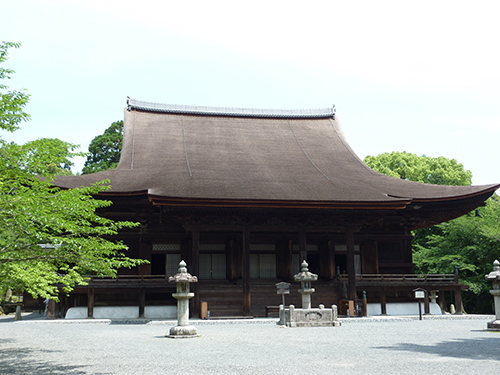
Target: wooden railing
(129,281)
(444,278)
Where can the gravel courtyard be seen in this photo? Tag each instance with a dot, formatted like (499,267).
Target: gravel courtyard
(359,346)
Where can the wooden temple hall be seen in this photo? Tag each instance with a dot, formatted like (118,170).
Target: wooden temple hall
(245,195)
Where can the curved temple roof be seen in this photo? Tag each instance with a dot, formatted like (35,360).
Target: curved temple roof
(204,156)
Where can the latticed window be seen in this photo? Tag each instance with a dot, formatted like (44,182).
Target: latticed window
(212,261)
(263,264)
(357,256)
(165,258)
(166,247)
(173,261)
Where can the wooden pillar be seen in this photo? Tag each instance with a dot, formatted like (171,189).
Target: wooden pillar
(427,309)
(142,302)
(327,260)
(458,294)
(233,256)
(442,303)
(284,259)
(144,253)
(458,301)
(90,303)
(369,258)
(383,302)
(247,303)
(51,310)
(302,244)
(194,269)
(351,273)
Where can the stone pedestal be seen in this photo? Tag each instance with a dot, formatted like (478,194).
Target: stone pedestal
(319,317)
(306,297)
(307,316)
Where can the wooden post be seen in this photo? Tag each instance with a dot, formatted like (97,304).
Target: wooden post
(351,272)
(194,269)
(247,303)
(383,302)
(327,260)
(442,303)
(458,294)
(90,304)
(142,302)
(427,309)
(458,301)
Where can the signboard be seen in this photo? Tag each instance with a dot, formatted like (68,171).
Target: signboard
(419,293)
(283,288)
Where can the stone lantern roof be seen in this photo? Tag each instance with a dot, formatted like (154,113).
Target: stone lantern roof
(495,274)
(183,276)
(305,275)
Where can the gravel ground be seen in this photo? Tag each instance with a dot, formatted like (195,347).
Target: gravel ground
(377,346)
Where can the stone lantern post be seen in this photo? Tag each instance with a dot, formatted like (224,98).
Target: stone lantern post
(494,276)
(183,278)
(305,277)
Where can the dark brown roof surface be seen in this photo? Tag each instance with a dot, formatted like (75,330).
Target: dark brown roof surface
(177,154)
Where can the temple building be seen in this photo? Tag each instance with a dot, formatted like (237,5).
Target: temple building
(245,195)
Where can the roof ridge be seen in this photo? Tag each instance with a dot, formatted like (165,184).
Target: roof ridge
(227,111)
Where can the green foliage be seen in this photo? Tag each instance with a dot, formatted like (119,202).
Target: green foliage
(439,171)
(470,242)
(49,237)
(105,149)
(12,102)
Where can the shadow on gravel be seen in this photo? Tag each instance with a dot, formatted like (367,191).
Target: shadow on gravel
(23,361)
(480,348)
(26,316)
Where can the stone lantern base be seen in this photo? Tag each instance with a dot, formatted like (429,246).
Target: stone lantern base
(321,317)
(182,332)
(494,325)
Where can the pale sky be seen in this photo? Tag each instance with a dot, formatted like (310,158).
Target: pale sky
(421,77)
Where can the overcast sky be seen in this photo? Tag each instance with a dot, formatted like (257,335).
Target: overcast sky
(421,77)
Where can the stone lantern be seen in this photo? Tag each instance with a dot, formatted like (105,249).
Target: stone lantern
(494,276)
(305,277)
(183,294)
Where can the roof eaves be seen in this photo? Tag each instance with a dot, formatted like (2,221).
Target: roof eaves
(233,112)
(253,203)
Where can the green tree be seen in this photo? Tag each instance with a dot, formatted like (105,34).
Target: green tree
(470,242)
(438,171)
(48,237)
(105,149)
(12,102)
